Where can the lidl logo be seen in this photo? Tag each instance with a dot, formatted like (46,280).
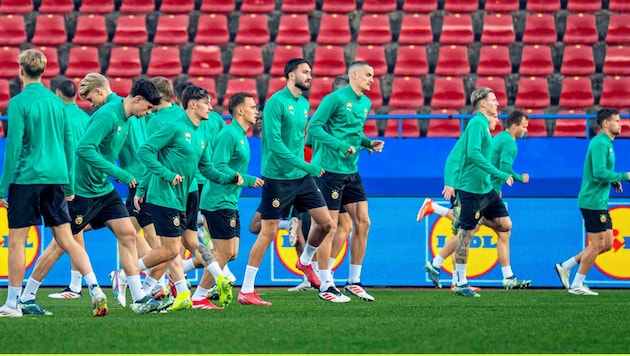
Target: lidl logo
(288,256)
(482,256)
(33,243)
(614,263)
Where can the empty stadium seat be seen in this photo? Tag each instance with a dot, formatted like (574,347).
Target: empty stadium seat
(121,86)
(501,6)
(90,31)
(339,6)
(277,84)
(212,30)
(576,93)
(98,7)
(408,127)
(52,61)
(617,61)
(9,62)
(618,29)
(461,6)
(494,61)
(375,55)
(131,30)
(334,29)
(175,7)
(536,127)
(540,29)
(453,61)
(374,30)
(50,30)
(297,6)
(12,32)
(165,61)
(457,30)
(207,83)
(577,60)
(615,93)
(293,30)
(370,129)
(246,62)
(375,94)
(281,56)
(406,93)
(171,30)
(82,60)
(619,6)
(543,6)
(448,93)
(570,127)
(136,7)
(257,6)
(329,61)
(217,6)
(5,95)
(444,127)
(415,30)
(419,6)
(581,29)
(205,61)
(584,6)
(16,7)
(497,84)
(252,30)
(411,61)
(56,6)
(124,62)
(320,87)
(498,29)
(240,84)
(533,93)
(536,61)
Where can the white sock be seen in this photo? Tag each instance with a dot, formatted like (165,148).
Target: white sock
(439,209)
(181,286)
(331,263)
(307,255)
(141,265)
(200,294)
(149,283)
(507,271)
(325,276)
(355,274)
(135,287)
(13,297)
(460,270)
(454,278)
(189,265)
(284,224)
(162,281)
(90,280)
(75,281)
(248,280)
(315,265)
(570,263)
(438,261)
(30,290)
(228,273)
(215,270)
(578,281)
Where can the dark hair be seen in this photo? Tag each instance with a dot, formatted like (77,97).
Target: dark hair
(340,81)
(292,65)
(237,99)
(515,118)
(179,89)
(147,90)
(605,114)
(193,92)
(67,88)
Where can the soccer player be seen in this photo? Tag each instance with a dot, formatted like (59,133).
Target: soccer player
(219,203)
(38,178)
(288,178)
(593,198)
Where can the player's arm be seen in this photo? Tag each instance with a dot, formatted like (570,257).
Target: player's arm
(450,168)
(599,152)
(473,151)
(506,160)
(223,148)
(208,169)
(69,146)
(272,114)
(148,152)
(15,134)
(320,118)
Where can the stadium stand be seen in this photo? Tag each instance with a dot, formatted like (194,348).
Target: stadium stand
(12,31)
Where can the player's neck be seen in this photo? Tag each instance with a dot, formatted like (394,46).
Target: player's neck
(193,118)
(356,89)
(294,90)
(244,124)
(26,80)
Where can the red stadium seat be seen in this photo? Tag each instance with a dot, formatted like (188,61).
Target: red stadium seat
(619,6)
(411,61)
(494,61)
(497,84)
(172,30)
(533,93)
(370,129)
(50,30)
(297,6)
(217,6)
(457,30)
(176,7)
(374,30)
(205,61)
(406,93)
(121,86)
(501,6)
(12,32)
(409,127)
(535,127)
(570,127)
(378,6)
(165,61)
(320,87)
(461,6)
(257,6)
(16,7)
(615,93)
(415,30)
(207,83)
(97,7)
(334,30)
(338,6)
(131,31)
(240,84)
(252,30)
(56,7)
(547,6)
(375,55)
(444,127)
(329,61)
(90,31)
(277,84)
(52,61)
(576,93)
(577,60)
(584,6)
(281,56)
(536,61)
(212,30)
(246,62)
(419,6)
(540,29)
(375,94)
(498,29)
(618,29)
(5,95)
(124,62)
(580,29)
(617,61)
(82,60)
(9,62)
(293,30)
(136,7)
(448,93)
(453,61)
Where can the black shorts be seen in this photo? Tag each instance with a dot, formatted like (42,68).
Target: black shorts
(168,222)
(143,216)
(474,206)
(224,224)
(454,200)
(28,203)
(341,189)
(96,211)
(596,220)
(279,195)
(200,188)
(192,209)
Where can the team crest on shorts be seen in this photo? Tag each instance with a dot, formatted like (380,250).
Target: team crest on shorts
(477,215)
(275,203)
(176,221)
(602,218)
(335,194)
(78,220)
(232,222)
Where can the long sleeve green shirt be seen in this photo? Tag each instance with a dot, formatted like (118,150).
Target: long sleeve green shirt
(504,151)
(77,120)
(128,157)
(212,126)
(598,174)
(336,126)
(284,121)
(231,155)
(39,146)
(451,167)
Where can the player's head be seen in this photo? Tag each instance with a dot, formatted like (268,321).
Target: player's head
(67,91)
(243,105)
(608,120)
(142,97)
(340,82)
(197,102)
(164,88)
(517,123)
(179,90)
(94,87)
(361,75)
(32,64)
(298,72)
(485,101)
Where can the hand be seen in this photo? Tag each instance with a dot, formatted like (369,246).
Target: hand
(133,183)
(377,145)
(314,169)
(178,179)
(259,183)
(448,192)
(350,151)
(239,180)
(510,181)
(137,201)
(70,198)
(618,187)
(525,177)
(4,203)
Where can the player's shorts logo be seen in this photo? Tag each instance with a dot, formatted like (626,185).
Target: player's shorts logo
(33,244)
(288,256)
(614,263)
(78,220)
(232,222)
(176,221)
(602,218)
(275,203)
(335,194)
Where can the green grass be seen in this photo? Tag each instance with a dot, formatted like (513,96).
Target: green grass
(400,321)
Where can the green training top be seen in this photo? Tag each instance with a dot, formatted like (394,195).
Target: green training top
(39,146)
(475,169)
(178,147)
(98,149)
(212,126)
(451,167)
(598,174)
(77,120)
(231,155)
(504,151)
(128,157)
(336,126)
(284,121)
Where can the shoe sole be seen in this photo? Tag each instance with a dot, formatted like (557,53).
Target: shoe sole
(520,286)
(560,277)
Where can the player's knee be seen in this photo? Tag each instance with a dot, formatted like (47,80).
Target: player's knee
(327,226)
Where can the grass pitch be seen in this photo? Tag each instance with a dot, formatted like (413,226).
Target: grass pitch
(399,321)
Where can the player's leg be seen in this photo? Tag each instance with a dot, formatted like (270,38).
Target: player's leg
(469,216)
